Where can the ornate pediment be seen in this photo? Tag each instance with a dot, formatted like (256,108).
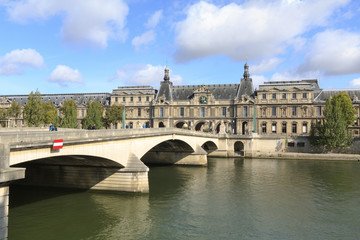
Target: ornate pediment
(4,100)
(202,89)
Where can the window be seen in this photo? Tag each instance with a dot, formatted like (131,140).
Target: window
(139,99)
(304,95)
(318,110)
(161,112)
(300,144)
(274,96)
(294,128)
(123,99)
(291,144)
(182,112)
(223,112)
(284,96)
(294,95)
(305,127)
(147,98)
(283,128)
(264,96)
(131,99)
(274,111)
(245,111)
(263,128)
(273,127)
(139,112)
(82,112)
(203,111)
(116,99)
(294,110)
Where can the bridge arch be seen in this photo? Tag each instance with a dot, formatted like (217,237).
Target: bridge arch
(180,124)
(167,152)
(209,146)
(239,148)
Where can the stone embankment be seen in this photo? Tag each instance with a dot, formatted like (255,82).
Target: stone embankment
(307,156)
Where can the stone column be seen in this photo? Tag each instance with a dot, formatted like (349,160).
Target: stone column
(7,175)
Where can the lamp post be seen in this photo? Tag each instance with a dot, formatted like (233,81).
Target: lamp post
(123,118)
(254,119)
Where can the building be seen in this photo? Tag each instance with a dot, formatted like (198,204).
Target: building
(286,108)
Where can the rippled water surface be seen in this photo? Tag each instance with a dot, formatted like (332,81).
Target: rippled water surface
(229,199)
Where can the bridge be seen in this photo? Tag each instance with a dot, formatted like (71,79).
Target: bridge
(115,160)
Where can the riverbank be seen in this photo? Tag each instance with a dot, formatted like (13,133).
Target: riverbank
(305,156)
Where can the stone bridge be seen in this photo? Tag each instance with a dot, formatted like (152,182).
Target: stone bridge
(114,160)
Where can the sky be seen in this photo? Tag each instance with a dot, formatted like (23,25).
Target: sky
(94,46)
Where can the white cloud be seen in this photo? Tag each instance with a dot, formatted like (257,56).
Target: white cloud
(258,80)
(334,52)
(91,21)
(148,36)
(257,29)
(154,19)
(355,83)
(144,75)
(265,65)
(143,39)
(18,60)
(63,75)
(293,76)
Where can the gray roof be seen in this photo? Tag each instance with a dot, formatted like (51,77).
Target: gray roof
(325,94)
(246,87)
(135,89)
(165,90)
(59,99)
(311,84)
(219,91)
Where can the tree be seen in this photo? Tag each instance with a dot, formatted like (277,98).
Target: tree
(113,115)
(50,113)
(94,115)
(332,132)
(3,115)
(69,116)
(33,110)
(14,110)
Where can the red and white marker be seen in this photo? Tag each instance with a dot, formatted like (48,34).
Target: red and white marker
(58,144)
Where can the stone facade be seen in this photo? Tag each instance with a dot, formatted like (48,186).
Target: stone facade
(285,108)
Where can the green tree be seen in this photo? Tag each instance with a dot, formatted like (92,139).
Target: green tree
(3,116)
(14,110)
(69,116)
(94,116)
(33,110)
(331,133)
(344,100)
(113,115)
(50,113)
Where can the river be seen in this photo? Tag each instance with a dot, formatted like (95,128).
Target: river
(228,199)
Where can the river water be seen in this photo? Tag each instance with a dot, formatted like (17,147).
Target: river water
(228,199)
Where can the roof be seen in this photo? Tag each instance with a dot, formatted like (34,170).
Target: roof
(135,89)
(59,99)
(219,91)
(325,94)
(310,84)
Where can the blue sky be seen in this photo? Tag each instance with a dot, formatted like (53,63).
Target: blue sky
(74,46)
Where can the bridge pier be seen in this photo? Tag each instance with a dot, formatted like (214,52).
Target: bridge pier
(7,175)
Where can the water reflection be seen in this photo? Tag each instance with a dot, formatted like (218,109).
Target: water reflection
(229,199)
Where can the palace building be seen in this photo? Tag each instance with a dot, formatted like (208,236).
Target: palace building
(285,108)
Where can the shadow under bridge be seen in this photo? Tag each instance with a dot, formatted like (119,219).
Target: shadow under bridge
(175,152)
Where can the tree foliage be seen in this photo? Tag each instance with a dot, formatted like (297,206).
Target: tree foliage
(14,110)
(113,115)
(331,133)
(69,116)
(50,113)
(94,116)
(33,110)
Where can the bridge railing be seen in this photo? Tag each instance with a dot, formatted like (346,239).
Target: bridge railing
(28,137)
